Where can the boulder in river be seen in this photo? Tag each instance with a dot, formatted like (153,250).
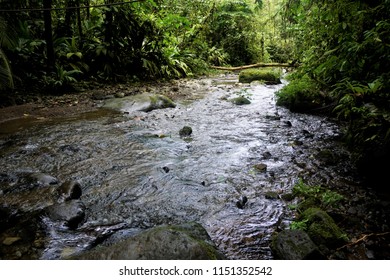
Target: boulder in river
(140,102)
(159,101)
(186,131)
(240,100)
(69,190)
(70,212)
(295,245)
(179,242)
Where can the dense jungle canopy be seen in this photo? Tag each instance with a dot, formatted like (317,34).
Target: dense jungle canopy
(341,48)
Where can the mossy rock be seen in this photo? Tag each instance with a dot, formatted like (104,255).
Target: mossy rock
(268,76)
(307,203)
(177,242)
(186,131)
(301,95)
(322,229)
(294,245)
(158,101)
(241,100)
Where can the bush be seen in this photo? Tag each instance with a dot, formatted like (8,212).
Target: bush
(266,75)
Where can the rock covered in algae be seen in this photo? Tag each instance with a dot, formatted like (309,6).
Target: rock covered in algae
(177,242)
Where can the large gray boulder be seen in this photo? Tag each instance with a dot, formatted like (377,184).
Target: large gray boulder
(181,242)
(140,102)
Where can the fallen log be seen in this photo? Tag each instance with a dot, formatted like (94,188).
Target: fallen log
(253,66)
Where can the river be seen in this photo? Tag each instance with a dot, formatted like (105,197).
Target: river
(137,172)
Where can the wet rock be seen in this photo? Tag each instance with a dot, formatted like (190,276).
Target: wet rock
(20,182)
(181,242)
(241,100)
(71,213)
(158,101)
(273,117)
(119,94)
(140,102)
(70,190)
(166,169)
(327,156)
(271,195)
(267,155)
(261,167)
(186,131)
(99,96)
(295,245)
(241,202)
(43,179)
(322,229)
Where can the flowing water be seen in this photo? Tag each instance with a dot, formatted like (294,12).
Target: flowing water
(136,171)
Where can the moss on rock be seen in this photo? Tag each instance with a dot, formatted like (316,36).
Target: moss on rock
(159,102)
(322,229)
(241,100)
(268,76)
(177,242)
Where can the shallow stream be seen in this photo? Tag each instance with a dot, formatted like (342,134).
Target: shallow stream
(137,172)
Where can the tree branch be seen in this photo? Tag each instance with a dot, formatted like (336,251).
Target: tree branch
(253,66)
(70,8)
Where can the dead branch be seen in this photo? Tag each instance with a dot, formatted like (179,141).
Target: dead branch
(253,66)
(363,238)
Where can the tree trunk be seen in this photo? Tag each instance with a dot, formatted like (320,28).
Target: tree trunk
(47,5)
(253,66)
(86,3)
(66,29)
(108,23)
(79,24)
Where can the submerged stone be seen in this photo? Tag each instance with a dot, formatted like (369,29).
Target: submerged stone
(271,195)
(181,242)
(186,131)
(241,100)
(260,167)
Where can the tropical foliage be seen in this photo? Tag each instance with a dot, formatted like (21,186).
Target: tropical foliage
(57,42)
(344,47)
